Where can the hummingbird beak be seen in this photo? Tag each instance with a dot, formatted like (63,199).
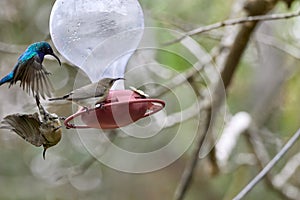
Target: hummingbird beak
(57,128)
(44,152)
(118,79)
(55,56)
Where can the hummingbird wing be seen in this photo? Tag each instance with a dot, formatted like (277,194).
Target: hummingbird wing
(33,77)
(88,91)
(26,126)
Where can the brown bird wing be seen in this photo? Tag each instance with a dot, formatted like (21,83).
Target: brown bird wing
(26,126)
(33,77)
(88,91)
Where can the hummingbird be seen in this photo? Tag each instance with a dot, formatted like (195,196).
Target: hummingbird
(38,129)
(29,70)
(91,94)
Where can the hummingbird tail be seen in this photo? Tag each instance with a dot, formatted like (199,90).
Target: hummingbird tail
(2,82)
(6,78)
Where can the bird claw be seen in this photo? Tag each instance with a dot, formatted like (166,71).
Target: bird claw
(86,110)
(70,126)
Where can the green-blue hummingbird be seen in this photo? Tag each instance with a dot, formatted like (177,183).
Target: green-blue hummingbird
(29,70)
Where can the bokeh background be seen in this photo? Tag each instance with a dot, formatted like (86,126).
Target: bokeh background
(265,87)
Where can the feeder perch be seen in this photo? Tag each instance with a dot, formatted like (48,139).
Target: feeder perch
(121,108)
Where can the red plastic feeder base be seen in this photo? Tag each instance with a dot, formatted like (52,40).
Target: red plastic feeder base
(121,108)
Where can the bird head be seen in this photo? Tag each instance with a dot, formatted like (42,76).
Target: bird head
(108,82)
(56,138)
(52,132)
(46,49)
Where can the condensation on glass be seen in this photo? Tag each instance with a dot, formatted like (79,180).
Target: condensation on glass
(98,36)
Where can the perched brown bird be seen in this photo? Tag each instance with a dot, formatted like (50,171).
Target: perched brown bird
(90,95)
(44,129)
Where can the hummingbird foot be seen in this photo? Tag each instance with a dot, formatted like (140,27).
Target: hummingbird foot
(70,126)
(86,109)
(62,118)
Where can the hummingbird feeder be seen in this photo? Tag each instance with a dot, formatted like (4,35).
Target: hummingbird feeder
(99,37)
(121,108)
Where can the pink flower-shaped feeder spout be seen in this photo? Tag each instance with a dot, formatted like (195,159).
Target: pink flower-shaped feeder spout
(121,108)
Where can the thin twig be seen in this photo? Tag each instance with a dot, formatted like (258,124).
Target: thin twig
(232,22)
(262,157)
(184,76)
(268,167)
(184,26)
(287,171)
(184,115)
(280,45)
(177,80)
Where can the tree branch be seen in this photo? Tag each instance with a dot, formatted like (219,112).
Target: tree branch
(232,22)
(229,67)
(268,167)
(184,76)
(262,157)
(186,114)
(280,45)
